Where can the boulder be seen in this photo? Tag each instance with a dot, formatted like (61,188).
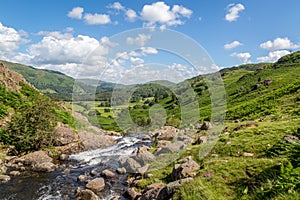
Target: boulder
(186,168)
(162,143)
(121,170)
(251,124)
(167,133)
(108,174)
(4,178)
(143,170)
(246,154)
(130,164)
(131,194)
(290,138)
(65,135)
(171,148)
(14,173)
(86,195)
(143,156)
(38,161)
(3,169)
(90,140)
(44,167)
(206,126)
(63,157)
(82,178)
(96,185)
(200,139)
(168,191)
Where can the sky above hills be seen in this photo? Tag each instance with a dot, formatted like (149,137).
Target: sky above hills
(62,34)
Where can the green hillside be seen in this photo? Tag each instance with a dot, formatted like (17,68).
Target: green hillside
(251,159)
(27,117)
(52,83)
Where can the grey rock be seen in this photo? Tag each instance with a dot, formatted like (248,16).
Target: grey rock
(86,195)
(14,173)
(131,194)
(4,178)
(96,185)
(108,173)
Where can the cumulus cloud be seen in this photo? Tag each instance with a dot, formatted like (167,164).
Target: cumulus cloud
(10,40)
(243,57)
(161,13)
(140,40)
(278,44)
(130,15)
(273,56)
(233,11)
(136,61)
(97,19)
(117,6)
(148,50)
(232,45)
(76,13)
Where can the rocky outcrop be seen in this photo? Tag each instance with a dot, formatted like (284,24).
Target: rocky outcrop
(96,185)
(187,167)
(152,191)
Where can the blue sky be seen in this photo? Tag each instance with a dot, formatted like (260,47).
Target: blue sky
(58,34)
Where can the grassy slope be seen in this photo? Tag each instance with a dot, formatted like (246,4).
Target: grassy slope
(51,83)
(226,173)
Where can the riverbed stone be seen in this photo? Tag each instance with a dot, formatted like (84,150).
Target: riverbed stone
(44,167)
(130,164)
(131,194)
(96,184)
(82,178)
(86,195)
(4,178)
(121,170)
(14,173)
(108,174)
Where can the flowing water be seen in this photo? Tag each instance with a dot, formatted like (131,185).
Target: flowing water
(57,185)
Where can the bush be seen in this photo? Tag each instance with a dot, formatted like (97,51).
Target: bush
(31,127)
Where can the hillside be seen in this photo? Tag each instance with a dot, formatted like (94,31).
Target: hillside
(52,83)
(27,117)
(257,155)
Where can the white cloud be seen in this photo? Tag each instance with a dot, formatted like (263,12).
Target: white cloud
(232,45)
(273,56)
(106,41)
(161,13)
(148,50)
(131,15)
(140,40)
(233,11)
(136,61)
(97,19)
(279,43)
(243,57)
(10,40)
(182,11)
(117,6)
(76,13)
